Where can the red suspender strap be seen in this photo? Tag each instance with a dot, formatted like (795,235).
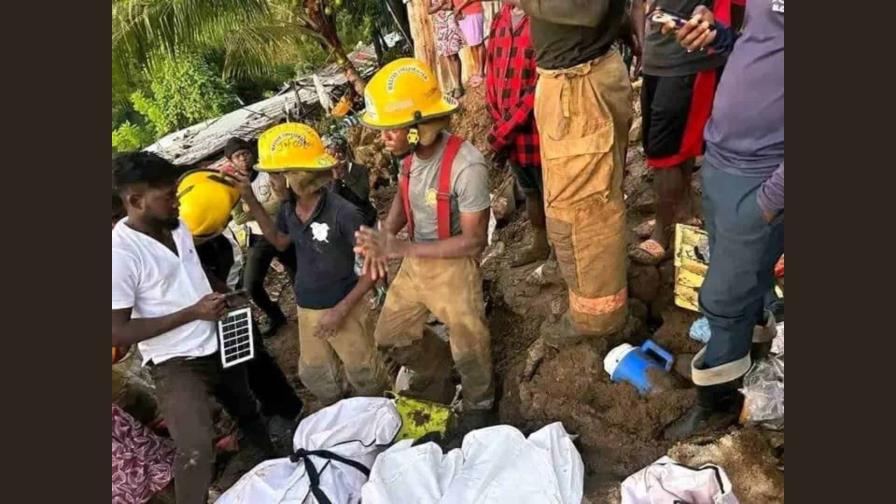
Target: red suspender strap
(405,187)
(443,197)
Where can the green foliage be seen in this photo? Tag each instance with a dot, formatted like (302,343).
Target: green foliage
(184,90)
(131,137)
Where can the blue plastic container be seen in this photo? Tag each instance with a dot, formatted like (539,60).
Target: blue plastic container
(630,363)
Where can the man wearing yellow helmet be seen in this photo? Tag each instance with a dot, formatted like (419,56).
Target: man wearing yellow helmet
(444,201)
(321,224)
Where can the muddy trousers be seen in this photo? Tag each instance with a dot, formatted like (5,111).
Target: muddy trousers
(184,387)
(744,249)
(450,289)
(584,114)
(351,349)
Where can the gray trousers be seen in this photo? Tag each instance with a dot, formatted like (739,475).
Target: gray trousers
(744,249)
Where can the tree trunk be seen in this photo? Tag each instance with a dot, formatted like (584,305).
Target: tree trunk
(323,24)
(422,31)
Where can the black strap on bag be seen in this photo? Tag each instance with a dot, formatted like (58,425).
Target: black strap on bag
(314,476)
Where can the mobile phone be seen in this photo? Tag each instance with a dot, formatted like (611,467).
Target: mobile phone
(661,17)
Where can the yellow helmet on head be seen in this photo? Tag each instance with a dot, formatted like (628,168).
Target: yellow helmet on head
(404,93)
(292,146)
(206,199)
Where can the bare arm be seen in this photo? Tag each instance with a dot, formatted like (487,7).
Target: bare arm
(569,12)
(127,331)
(395,219)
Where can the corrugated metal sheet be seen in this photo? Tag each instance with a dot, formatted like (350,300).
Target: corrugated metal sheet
(207,138)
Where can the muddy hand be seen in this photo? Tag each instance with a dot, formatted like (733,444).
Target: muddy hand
(329,323)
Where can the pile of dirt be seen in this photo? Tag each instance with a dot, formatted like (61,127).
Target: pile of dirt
(473,122)
(619,429)
(748,458)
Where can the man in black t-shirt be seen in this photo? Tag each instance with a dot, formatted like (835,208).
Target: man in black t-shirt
(333,326)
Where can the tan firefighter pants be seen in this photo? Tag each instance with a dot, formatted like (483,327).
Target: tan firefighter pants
(583,115)
(450,289)
(352,346)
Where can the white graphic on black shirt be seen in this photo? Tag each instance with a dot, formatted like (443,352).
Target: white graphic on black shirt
(319,231)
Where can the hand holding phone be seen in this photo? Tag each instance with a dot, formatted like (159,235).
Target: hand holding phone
(663,18)
(693,34)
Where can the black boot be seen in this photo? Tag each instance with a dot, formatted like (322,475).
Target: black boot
(718,406)
(763,336)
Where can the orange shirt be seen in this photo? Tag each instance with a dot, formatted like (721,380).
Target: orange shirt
(473,8)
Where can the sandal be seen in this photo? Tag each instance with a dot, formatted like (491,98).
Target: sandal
(645,229)
(649,252)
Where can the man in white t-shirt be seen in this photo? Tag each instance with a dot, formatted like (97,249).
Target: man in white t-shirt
(163,303)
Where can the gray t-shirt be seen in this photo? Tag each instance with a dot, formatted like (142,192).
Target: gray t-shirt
(665,57)
(469,189)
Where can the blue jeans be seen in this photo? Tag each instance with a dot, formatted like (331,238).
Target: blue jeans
(744,249)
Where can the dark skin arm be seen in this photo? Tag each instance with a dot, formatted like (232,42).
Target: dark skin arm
(333,318)
(128,331)
(469,243)
(278,239)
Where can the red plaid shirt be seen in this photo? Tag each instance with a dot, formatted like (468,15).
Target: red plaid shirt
(510,89)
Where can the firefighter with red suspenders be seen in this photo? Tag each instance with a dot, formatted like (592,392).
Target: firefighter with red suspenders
(444,201)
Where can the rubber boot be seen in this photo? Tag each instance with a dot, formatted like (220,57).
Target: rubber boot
(762,337)
(718,400)
(717,407)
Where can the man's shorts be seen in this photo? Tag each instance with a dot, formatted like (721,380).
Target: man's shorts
(675,111)
(528,177)
(471,26)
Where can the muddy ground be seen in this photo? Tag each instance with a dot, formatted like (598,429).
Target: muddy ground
(619,431)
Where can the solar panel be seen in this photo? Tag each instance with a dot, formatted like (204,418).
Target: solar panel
(235,337)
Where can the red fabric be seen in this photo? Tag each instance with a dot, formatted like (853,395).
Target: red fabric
(473,8)
(698,115)
(510,78)
(443,197)
(779,268)
(141,461)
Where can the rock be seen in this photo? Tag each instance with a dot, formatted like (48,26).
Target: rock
(643,282)
(673,334)
(634,133)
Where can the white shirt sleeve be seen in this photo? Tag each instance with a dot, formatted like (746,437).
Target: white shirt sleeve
(124,280)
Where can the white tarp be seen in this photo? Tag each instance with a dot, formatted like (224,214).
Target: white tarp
(358,429)
(494,465)
(666,481)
